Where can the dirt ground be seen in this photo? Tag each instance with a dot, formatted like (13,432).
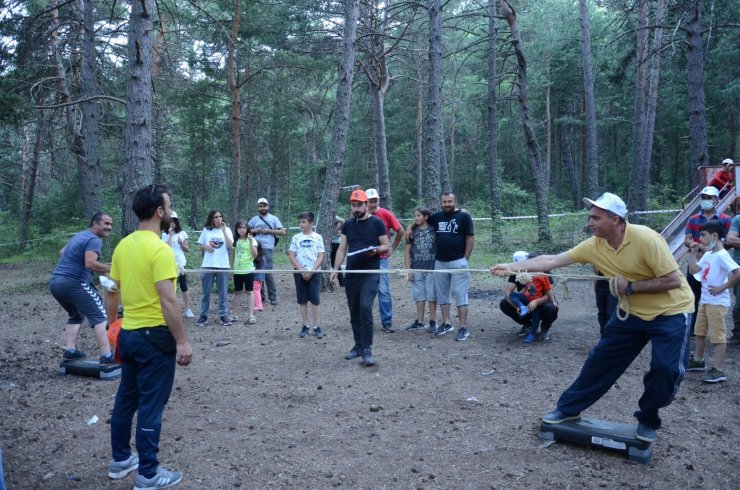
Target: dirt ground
(261,408)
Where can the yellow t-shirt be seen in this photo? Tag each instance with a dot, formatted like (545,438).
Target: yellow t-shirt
(642,255)
(140,261)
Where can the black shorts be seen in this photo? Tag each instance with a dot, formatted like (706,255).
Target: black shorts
(182,281)
(244,282)
(80,299)
(308,291)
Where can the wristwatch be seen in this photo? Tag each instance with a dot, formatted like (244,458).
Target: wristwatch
(628,289)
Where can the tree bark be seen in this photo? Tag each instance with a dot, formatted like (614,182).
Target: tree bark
(639,180)
(28,179)
(418,144)
(494,180)
(544,235)
(342,105)
(698,151)
(137,142)
(436,165)
(652,94)
(236,152)
(89,169)
(592,150)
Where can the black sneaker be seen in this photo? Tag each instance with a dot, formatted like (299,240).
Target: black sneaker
(353,354)
(432,327)
(201,322)
(462,334)
(417,325)
(107,360)
(523,331)
(304,331)
(318,333)
(225,321)
(694,365)
(443,329)
(545,334)
(367,356)
(387,328)
(73,354)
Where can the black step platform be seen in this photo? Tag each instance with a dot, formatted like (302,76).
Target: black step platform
(591,432)
(89,367)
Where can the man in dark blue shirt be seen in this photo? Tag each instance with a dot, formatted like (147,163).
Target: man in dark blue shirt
(455,239)
(363,239)
(71,285)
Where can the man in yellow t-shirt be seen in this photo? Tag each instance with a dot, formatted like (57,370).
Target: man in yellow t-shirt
(660,302)
(151,342)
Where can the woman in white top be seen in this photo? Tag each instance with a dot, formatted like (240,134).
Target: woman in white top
(216,243)
(177,238)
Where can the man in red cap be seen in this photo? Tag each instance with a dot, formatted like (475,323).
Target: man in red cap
(363,240)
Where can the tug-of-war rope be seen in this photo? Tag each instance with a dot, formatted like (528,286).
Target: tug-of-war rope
(522,277)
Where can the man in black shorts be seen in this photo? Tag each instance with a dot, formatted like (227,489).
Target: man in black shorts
(363,240)
(71,285)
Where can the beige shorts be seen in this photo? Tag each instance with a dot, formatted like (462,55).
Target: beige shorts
(711,318)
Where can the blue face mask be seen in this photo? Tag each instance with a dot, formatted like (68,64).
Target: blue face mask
(706,204)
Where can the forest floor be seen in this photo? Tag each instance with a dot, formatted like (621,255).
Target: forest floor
(261,408)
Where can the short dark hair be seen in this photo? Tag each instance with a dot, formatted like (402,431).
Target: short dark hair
(97,217)
(713,226)
(147,200)
(307,215)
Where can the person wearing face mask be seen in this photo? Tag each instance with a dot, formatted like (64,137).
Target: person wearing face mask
(709,197)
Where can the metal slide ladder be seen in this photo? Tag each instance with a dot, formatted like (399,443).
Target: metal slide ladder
(674,232)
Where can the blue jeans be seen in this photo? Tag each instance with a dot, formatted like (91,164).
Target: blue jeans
(385,302)
(222,282)
(267,253)
(147,376)
(611,356)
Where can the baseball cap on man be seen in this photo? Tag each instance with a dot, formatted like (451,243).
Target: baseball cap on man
(372,193)
(727,161)
(709,191)
(173,215)
(608,202)
(520,256)
(358,195)
(262,200)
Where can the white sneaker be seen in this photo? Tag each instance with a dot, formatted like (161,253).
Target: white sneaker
(188,313)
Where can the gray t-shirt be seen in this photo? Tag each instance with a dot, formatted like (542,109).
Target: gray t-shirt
(423,248)
(267,241)
(735,226)
(72,263)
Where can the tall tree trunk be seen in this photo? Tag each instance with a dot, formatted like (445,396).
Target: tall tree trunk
(569,166)
(341,113)
(494,180)
(158,140)
(544,235)
(435,133)
(418,144)
(592,150)
(236,152)
(89,170)
(639,180)
(652,95)
(137,139)
(698,151)
(28,179)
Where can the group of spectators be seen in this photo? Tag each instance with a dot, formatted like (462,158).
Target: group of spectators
(147,263)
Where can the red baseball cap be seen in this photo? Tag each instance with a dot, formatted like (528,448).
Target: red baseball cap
(358,195)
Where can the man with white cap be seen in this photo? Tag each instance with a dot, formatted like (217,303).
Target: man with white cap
(392,225)
(266,228)
(709,197)
(656,301)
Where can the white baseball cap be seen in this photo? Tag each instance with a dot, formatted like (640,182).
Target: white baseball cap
(709,191)
(372,194)
(520,256)
(173,215)
(262,200)
(608,202)
(727,161)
